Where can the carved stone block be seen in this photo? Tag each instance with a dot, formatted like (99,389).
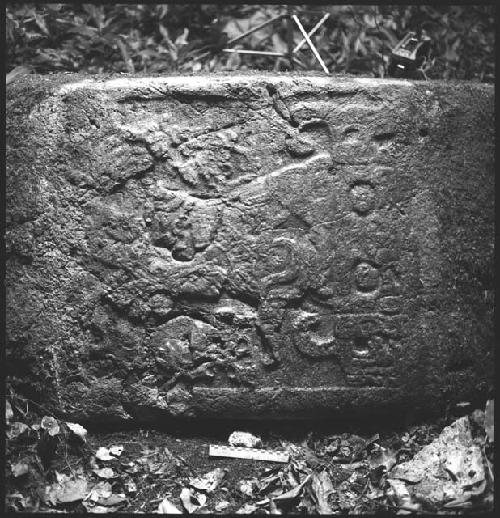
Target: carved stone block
(249,245)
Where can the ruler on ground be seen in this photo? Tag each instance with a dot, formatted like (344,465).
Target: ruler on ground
(239,452)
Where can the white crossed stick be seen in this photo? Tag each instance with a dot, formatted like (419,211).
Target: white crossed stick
(311,32)
(308,39)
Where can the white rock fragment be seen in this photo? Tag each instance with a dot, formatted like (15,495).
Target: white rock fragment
(244,439)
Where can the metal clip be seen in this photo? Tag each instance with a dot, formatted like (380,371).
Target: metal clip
(409,56)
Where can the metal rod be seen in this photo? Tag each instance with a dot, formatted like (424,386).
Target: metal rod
(255,29)
(256,52)
(311,32)
(309,42)
(289,36)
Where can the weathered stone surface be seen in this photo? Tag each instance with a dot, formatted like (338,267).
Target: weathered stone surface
(446,469)
(249,245)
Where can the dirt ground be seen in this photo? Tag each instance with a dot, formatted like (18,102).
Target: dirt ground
(333,468)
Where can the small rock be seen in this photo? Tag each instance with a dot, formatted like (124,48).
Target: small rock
(67,492)
(244,439)
(16,429)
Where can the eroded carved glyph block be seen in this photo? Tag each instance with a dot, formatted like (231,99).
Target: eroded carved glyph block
(249,245)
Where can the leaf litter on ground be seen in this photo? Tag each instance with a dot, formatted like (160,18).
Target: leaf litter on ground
(330,474)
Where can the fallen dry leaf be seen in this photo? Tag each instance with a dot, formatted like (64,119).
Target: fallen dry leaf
(209,481)
(100,490)
(459,503)
(78,430)
(167,507)
(221,506)
(116,451)
(384,457)
(247,509)
(273,509)
(311,458)
(131,486)
(400,497)
(67,492)
(112,500)
(51,425)
(19,469)
(9,414)
(61,477)
(288,495)
(104,473)
(246,487)
(489,420)
(103,454)
(16,429)
(98,509)
(191,500)
(322,488)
